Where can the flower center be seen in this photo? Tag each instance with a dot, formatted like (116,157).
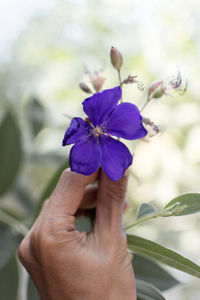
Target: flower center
(98,130)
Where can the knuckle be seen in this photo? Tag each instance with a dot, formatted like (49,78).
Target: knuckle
(129,257)
(24,251)
(116,193)
(65,173)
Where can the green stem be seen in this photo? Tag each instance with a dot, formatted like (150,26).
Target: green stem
(141,110)
(144,219)
(166,212)
(120,83)
(12,222)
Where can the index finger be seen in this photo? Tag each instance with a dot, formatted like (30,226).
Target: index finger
(69,191)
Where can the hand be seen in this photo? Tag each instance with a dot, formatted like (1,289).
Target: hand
(67,264)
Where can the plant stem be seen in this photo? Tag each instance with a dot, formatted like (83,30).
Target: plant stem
(143,107)
(12,222)
(120,83)
(144,219)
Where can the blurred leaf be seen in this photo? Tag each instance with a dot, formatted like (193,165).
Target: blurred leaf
(50,186)
(146,291)
(9,280)
(8,244)
(35,115)
(10,152)
(145,209)
(152,273)
(32,293)
(11,211)
(23,197)
(164,255)
(192,200)
(83,224)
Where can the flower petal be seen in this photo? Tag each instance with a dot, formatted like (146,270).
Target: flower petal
(115,157)
(84,156)
(99,106)
(125,121)
(77,130)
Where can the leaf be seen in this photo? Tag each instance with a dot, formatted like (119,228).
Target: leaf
(83,224)
(152,273)
(10,152)
(164,255)
(35,115)
(146,291)
(9,280)
(51,186)
(145,209)
(192,200)
(8,242)
(24,198)
(32,293)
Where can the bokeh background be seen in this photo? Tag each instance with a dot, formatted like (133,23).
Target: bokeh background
(45,47)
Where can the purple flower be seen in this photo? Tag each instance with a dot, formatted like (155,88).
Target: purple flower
(94,145)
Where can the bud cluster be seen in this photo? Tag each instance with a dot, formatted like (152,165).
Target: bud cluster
(159,88)
(94,82)
(156,90)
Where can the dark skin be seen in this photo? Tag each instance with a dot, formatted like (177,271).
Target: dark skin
(67,264)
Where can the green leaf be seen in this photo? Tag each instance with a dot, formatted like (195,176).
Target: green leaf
(9,280)
(191,200)
(51,186)
(164,255)
(35,115)
(146,291)
(10,152)
(145,209)
(23,198)
(83,224)
(152,273)
(8,242)
(32,293)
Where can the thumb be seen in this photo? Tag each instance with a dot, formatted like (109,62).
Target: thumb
(110,205)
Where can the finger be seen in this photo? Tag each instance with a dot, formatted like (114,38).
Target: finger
(126,205)
(110,204)
(89,198)
(86,212)
(69,192)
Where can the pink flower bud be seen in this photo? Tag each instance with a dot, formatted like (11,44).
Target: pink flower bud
(84,87)
(116,58)
(98,83)
(156,90)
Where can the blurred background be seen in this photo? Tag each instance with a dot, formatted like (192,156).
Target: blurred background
(45,47)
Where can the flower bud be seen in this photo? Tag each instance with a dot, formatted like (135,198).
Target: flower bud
(84,87)
(98,83)
(156,90)
(116,58)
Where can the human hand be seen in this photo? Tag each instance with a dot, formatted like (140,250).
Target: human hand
(67,264)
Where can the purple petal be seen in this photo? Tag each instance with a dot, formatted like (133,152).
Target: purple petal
(99,106)
(115,157)
(125,121)
(84,156)
(76,131)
